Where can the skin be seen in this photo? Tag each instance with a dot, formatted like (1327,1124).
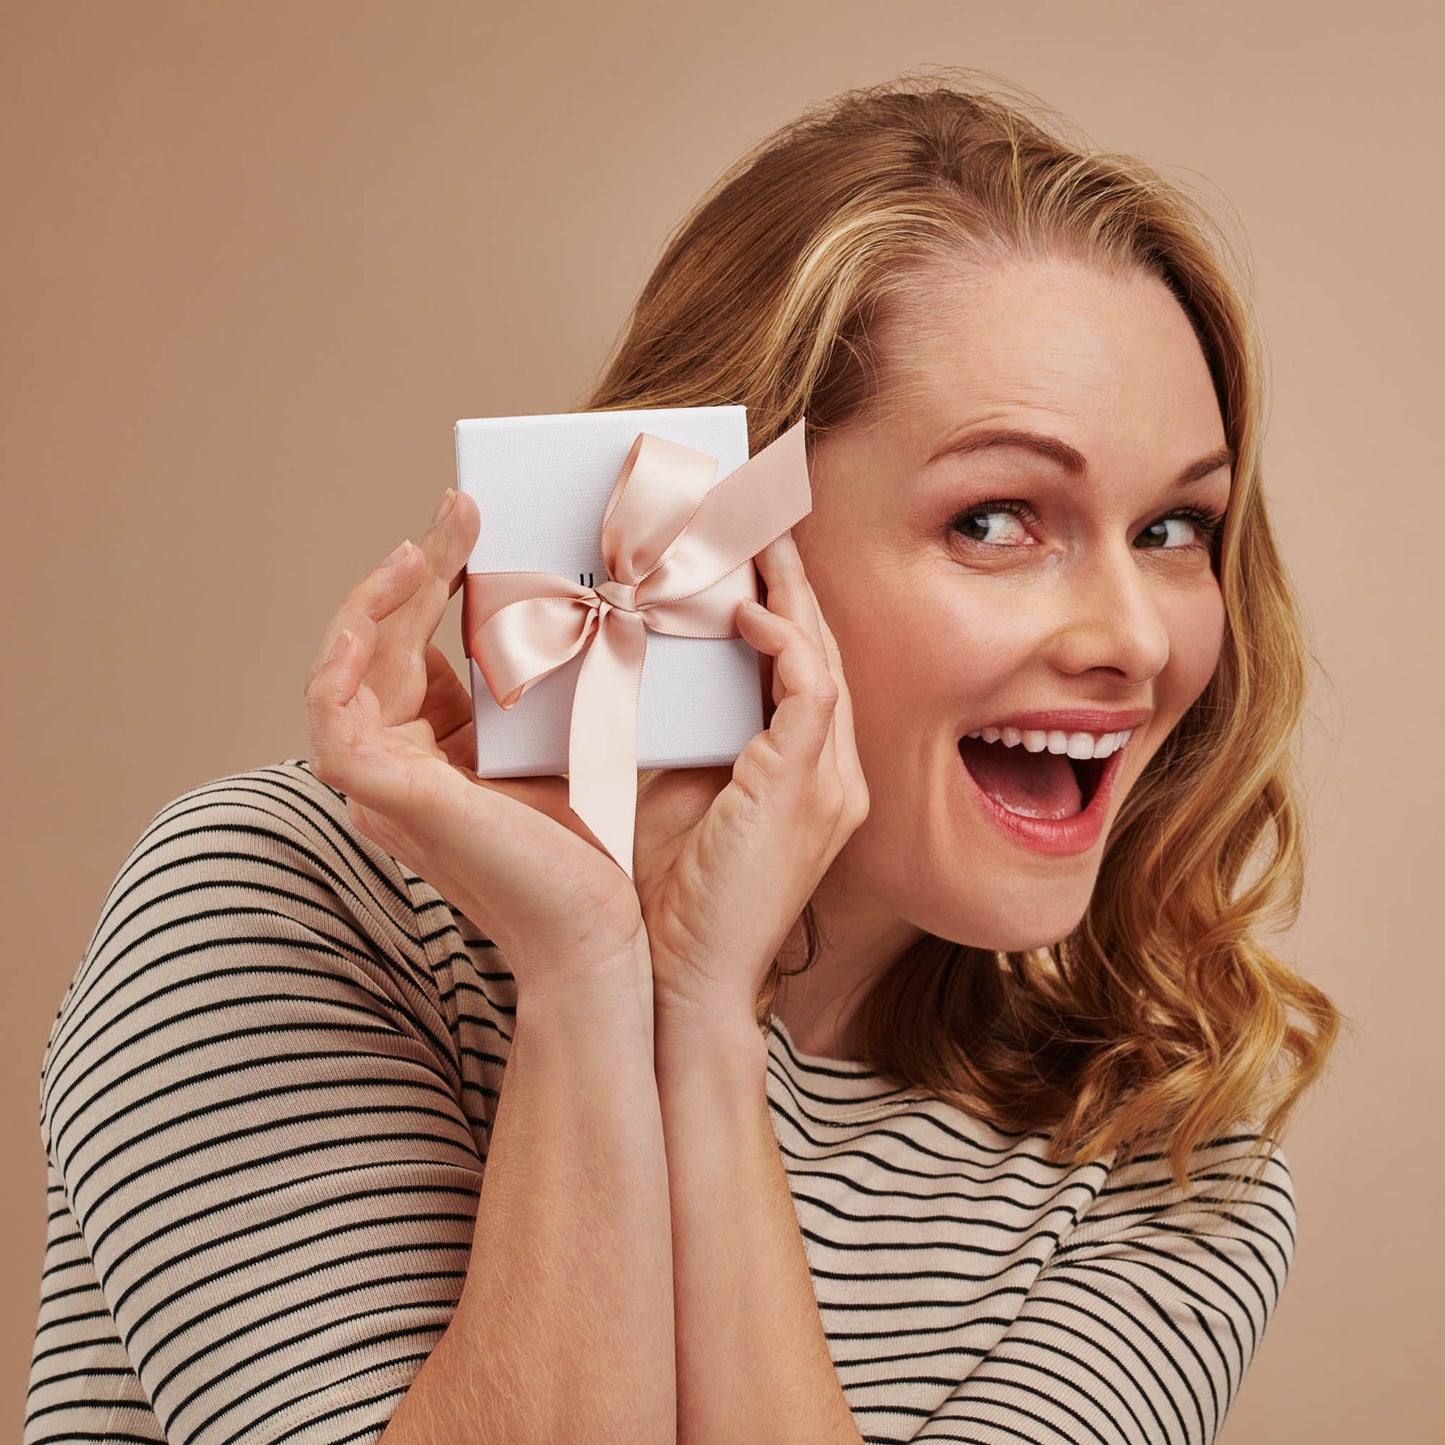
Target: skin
(940,634)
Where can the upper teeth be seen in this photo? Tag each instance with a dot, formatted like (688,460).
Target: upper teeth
(1075,745)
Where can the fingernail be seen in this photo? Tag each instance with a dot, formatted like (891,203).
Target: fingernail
(397,554)
(448,498)
(342,643)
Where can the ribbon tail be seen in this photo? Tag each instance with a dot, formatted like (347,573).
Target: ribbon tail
(602,743)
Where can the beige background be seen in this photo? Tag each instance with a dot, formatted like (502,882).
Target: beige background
(259,257)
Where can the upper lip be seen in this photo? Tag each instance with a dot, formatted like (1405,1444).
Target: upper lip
(1071,720)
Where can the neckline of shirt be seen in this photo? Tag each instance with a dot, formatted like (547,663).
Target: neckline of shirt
(843,1087)
(817,1061)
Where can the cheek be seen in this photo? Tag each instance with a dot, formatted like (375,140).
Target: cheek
(921,660)
(1196,636)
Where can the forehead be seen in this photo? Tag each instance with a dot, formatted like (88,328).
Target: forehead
(1110,356)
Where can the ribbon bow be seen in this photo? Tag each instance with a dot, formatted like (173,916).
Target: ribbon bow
(675,547)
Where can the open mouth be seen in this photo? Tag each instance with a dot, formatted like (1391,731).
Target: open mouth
(1033,784)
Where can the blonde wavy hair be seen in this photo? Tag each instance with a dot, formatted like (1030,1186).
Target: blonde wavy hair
(1162,1020)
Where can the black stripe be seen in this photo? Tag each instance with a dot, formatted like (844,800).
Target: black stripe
(433,1307)
(248,1165)
(333,1387)
(307,1212)
(184,1224)
(217,1141)
(228,1069)
(283,1349)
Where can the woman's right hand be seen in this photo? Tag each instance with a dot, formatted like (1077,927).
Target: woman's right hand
(509,854)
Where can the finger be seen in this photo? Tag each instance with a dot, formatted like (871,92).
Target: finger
(789,594)
(398,672)
(803,718)
(342,719)
(786,574)
(850,769)
(779,601)
(388,769)
(830,653)
(446,543)
(389,584)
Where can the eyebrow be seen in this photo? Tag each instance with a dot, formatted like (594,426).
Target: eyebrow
(1069,458)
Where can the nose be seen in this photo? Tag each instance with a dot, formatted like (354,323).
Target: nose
(1110,619)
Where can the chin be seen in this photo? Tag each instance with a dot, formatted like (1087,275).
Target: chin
(1014,940)
(1026,923)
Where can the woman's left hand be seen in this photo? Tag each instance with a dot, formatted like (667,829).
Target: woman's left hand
(724,861)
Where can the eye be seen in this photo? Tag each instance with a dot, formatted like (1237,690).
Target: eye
(1201,527)
(998,523)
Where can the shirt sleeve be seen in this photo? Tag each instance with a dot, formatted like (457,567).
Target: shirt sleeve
(252,1100)
(1140,1328)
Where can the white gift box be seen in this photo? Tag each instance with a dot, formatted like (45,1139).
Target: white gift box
(542,484)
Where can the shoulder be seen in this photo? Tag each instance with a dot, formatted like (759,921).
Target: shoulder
(251,904)
(1145,1319)
(1240,1169)
(1236,1223)
(280,836)
(281,812)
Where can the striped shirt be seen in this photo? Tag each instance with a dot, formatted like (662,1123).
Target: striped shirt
(266,1103)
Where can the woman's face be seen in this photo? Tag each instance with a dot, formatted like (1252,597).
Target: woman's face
(1085,592)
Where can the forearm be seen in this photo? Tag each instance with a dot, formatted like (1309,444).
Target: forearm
(564,1327)
(752,1359)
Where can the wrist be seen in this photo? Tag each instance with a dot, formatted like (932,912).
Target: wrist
(692,999)
(609,993)
(718,1040)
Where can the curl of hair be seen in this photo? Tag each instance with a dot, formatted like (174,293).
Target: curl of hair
(1162,1020)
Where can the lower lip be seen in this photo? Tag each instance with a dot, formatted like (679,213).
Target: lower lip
(1056,837)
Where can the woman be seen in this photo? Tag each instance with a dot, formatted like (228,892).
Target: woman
(1001,1163)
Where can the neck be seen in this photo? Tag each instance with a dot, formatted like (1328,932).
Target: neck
(859,939)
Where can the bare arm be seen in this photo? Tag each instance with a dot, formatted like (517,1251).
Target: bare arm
(564,1329)
(752,1359)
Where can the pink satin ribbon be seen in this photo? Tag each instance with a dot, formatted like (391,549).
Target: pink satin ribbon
(675,547)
